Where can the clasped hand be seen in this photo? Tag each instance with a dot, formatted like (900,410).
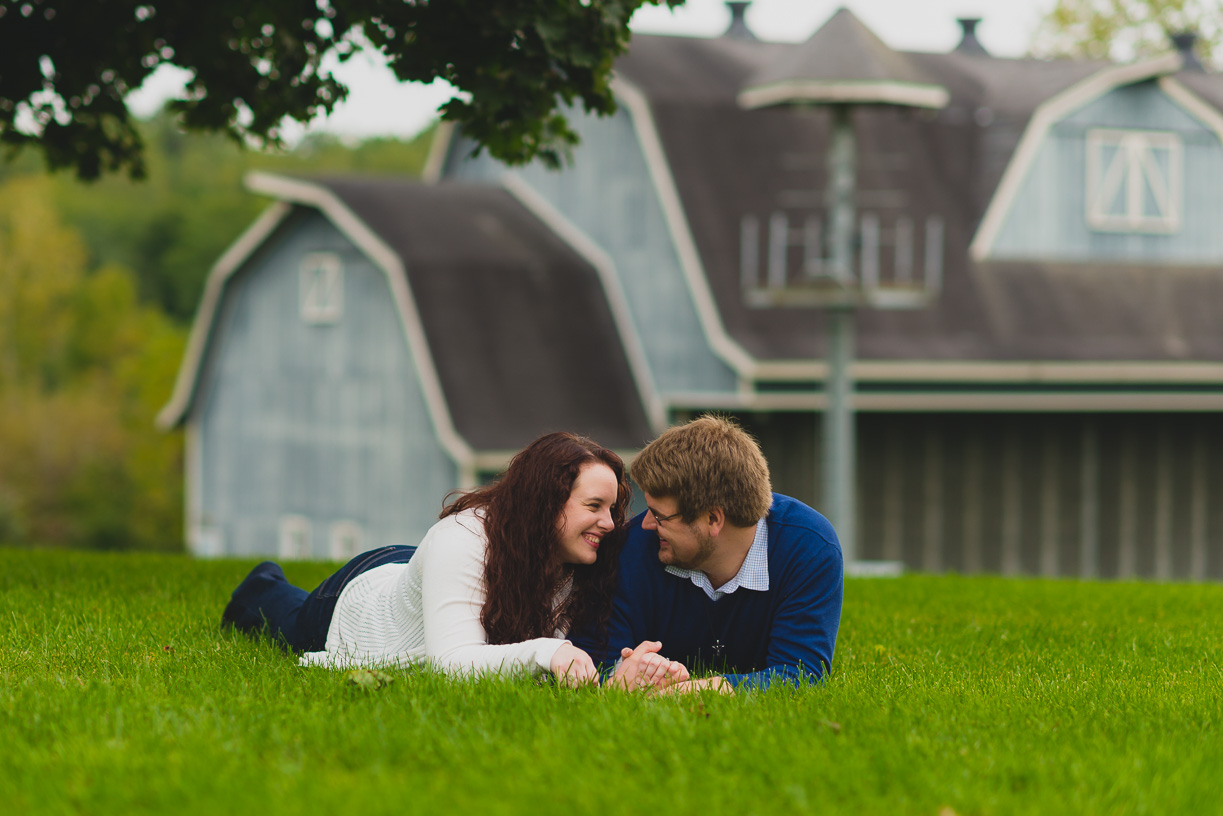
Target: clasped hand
(640,668)
(645,668)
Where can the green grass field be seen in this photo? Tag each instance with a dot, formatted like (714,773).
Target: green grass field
(949,695)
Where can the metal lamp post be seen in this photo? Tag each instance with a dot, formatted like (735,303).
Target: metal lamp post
(843,66)
(839,431)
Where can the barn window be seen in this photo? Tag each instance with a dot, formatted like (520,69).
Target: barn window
(346,540)
(322,288)
(1135,181)
(295,538)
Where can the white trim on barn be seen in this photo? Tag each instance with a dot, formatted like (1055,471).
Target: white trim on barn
(193,522)
(577,240)
(1021,371)
(1045,116)
(723,345)
(345,540)
(226,266)
(388,261)
(865,92)
(439,149)
(1135,180)
(959,402)
(1037,372)
(295,538)
(321,287)
(1193,104)
(383,257)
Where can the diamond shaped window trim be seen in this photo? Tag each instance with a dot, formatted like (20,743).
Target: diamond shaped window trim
(1135,181)
(322,288)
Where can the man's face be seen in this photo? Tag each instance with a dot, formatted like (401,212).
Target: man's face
(687,546)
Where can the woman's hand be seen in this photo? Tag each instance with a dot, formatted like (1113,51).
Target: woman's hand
(573,667)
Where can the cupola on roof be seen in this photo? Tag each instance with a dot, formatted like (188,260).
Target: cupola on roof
(843,62)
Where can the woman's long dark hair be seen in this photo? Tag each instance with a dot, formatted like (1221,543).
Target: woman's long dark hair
(522,511)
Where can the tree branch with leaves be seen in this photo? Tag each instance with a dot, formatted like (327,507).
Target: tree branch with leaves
(1125,30)
(66,67)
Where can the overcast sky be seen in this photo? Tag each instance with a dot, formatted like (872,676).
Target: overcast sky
(378,105)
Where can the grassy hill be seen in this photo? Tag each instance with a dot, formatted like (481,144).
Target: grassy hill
(119,695)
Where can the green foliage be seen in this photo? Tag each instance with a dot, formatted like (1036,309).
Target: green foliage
(83,369)
(171,227)
(119,694)
(88,275)
(66,67)
(369,679)
(1124,30)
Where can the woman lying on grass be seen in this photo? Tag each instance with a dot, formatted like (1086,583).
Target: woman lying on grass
(494,585)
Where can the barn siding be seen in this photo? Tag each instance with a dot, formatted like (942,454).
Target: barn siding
(1048,217)
(323,421)
(611,199)
(1057,495)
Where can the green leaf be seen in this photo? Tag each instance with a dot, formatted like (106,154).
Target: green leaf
(368,679)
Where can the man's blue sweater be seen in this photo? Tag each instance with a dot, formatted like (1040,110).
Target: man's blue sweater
(750,637)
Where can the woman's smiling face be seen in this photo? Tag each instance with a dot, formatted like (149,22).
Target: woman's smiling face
(587,515)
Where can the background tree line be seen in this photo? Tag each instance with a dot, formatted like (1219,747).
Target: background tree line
(98,285)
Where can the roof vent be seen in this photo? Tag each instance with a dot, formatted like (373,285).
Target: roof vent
(1184,42)
(969,44)
(738,29)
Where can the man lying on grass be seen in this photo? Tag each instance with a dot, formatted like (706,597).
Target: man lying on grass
(719,572)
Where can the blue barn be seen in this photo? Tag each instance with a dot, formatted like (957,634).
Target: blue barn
(368,346)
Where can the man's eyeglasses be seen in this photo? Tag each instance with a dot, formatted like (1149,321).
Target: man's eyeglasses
(662,519)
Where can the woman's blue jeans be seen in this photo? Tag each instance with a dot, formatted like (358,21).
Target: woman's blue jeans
(292,616)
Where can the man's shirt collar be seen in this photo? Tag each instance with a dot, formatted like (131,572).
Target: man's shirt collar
(754,574)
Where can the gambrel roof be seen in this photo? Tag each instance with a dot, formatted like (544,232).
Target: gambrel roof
(511,329)
(729,162)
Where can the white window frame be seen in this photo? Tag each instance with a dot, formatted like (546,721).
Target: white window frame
(207,541)
(322,287)
(345,540)
(295,535)
(1134,172)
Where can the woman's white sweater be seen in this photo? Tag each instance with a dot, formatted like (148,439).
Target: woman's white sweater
(427,610)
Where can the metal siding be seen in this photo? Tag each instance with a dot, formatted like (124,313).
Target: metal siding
(611,199)
(324,421)
(1212,533)
(1048,217)
(1054,495)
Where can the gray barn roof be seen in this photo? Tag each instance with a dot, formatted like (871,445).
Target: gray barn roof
(728,162)
(518,329)
(517,322)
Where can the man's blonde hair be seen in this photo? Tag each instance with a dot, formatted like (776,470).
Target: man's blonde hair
(709,462)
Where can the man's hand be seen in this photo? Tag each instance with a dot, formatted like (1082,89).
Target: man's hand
(573,667)
(719,684)
(643,667)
